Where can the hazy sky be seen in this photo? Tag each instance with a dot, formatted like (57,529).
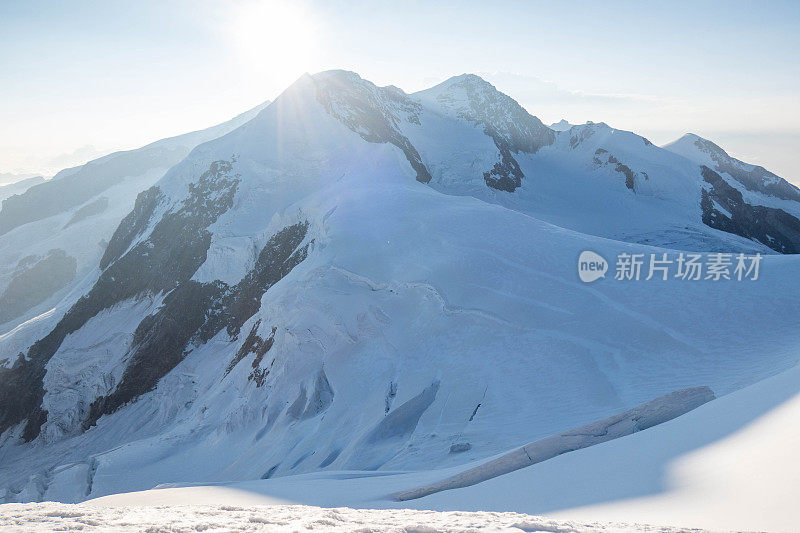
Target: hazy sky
(81,78)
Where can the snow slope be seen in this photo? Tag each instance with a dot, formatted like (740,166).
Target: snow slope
(727,465)
(360,279)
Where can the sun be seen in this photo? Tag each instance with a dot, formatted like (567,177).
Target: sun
(273,38)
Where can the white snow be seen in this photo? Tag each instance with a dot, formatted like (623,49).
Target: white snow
(439,314)
(285,518)
(727,465)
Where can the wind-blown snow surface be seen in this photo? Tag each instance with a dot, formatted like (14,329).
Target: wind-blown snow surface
(374,295)
(727,465)
(53,516)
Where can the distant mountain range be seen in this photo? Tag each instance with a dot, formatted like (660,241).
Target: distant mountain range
(19,186)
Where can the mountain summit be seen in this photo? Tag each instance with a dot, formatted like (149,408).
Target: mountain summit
(356,278)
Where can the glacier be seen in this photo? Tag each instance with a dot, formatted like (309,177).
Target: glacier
(353,278)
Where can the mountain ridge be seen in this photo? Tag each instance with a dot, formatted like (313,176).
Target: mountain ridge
(298,295)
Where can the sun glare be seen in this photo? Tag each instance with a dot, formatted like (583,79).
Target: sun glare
(274,39)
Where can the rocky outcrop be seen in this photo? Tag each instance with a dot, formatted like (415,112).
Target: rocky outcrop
(753,177)
(510,126)
(603,158)
(169,256)
(195,312)
(724,208)
(372,112)
(132,225)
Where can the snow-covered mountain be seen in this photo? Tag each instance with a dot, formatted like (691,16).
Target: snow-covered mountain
(363,279)
(744,199)
(10,178)
(561,125)
(53,233)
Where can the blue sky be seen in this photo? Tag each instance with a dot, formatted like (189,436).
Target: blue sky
(80,78)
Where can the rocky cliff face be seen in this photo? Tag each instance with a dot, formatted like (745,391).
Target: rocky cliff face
(752,177)
(743,199)
(77,211)
(512,129)
(724,208)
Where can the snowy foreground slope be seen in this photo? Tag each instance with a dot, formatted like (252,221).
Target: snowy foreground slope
(728,465)
(363,280)
(285,518)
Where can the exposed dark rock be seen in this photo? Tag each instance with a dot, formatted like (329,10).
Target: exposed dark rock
(773,227)
(258,346)
(474,412)
(278,257)
(195,312)
(505,121)
(754,178)
(510,126)
(132,225)
(390,396)
(169,256)
(160,342)
(369,111)
(35,281)
(269,473)
(630,175)
(253,344)
(21,395)
(506,174)
(89,210)
(259,375)
(582,134)
(460,447)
